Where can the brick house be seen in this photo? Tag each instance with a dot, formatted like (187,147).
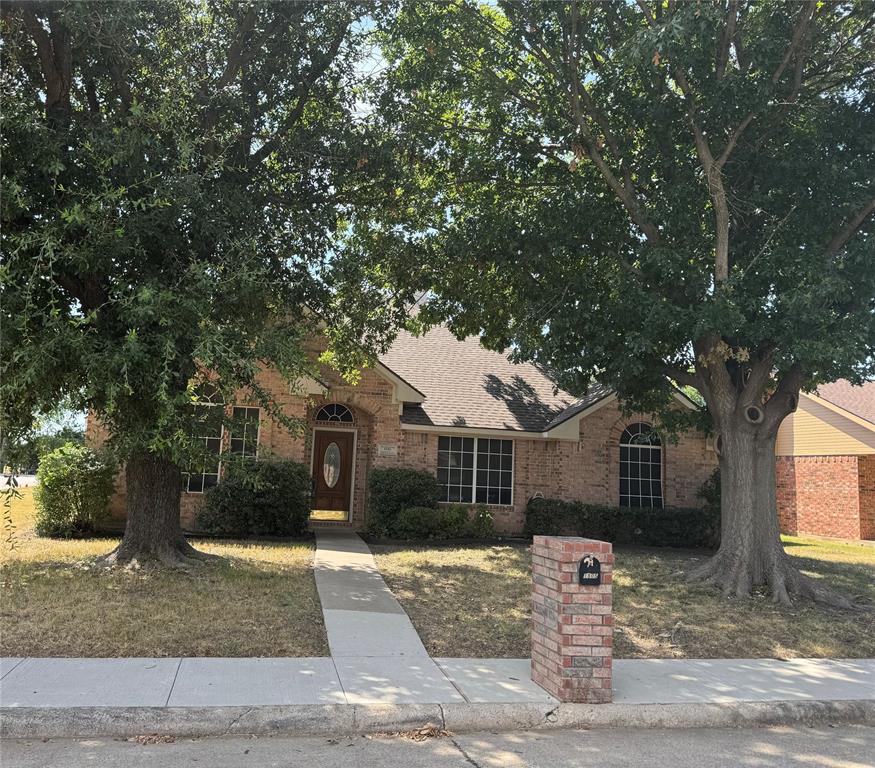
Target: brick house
(826,463)
(492,431)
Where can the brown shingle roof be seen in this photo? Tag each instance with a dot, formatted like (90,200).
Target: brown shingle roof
(466,385)
(859,400)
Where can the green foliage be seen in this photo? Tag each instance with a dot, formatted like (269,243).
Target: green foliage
(24,455)
(418,523)
(710,492)
(581,231)
(678,527)
(454,521)
(75,484)
(393,489)
(258,498)
(482,523)
(173,192)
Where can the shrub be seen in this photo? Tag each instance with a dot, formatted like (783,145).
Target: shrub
(393,490)
(258,498)
(678,527)
(418,523)
(454,521)
(75,484)
(710,491)
(482,523)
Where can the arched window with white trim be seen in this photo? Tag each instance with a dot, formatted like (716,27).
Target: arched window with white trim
(640,467)
(334,412)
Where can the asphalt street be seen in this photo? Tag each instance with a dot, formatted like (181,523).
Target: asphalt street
(831,747)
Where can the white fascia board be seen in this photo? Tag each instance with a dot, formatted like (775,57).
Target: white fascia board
(507,434)
(403,392)
(570,428)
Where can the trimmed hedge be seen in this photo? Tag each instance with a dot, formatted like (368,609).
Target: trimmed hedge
(418,523)
(258,498)
(394,489)
(679,527)
(454,521)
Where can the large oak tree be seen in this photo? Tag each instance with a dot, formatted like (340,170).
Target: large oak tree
(174,177)
(642,193)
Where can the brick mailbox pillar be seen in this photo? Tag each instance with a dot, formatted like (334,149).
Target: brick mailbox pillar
(572,621)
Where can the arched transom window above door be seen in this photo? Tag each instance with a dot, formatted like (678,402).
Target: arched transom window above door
(335,412)
(640,467)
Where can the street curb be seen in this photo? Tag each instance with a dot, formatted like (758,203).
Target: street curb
(333,719)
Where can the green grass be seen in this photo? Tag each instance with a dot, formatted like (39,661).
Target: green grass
(475,601)
(259,601)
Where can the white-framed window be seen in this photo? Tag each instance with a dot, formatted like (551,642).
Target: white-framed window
(334,412)
(245,425)
(640,467)
(475,469)
(208,428)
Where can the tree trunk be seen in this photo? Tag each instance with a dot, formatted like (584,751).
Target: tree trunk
(751,553)
(153,532)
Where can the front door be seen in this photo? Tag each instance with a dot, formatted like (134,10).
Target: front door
(332,472)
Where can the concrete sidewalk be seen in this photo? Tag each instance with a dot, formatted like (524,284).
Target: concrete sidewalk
(201,696)
(253,682)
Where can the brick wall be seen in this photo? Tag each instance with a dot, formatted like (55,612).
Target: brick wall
(572,624)
(585,470)
(866,465)
(819,495)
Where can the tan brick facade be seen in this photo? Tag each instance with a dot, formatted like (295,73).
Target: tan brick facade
(827,495)
(585,470)
(572,624)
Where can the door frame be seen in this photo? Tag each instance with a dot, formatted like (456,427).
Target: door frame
(355,439)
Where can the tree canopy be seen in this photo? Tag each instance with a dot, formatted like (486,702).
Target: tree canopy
(602,184)
(175,177)
(643,193)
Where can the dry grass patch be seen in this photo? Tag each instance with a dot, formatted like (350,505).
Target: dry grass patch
(260,601)
(475,601)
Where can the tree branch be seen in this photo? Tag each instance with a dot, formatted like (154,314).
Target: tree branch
(849,228)
(56,61)
(319,67)
(624,192)
(715,182)
(729,26)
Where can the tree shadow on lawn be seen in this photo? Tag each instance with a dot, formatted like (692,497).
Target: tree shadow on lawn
(259,601)
(476,601)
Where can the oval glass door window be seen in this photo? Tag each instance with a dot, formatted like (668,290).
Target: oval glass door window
(331,465)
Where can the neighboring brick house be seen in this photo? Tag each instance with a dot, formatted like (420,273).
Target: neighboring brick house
(826,463)
(492,431)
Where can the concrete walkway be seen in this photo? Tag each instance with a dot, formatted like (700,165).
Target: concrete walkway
(377,652)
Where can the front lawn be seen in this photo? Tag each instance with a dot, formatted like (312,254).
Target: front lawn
(260,601)
(475,601)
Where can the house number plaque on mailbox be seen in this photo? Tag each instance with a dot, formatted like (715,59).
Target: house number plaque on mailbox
(590,571)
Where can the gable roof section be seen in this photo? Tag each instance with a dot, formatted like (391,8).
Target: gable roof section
(858,400)
(468,386)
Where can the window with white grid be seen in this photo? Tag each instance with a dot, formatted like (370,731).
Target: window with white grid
(475,469)
(640,467)
(244,431)
(208,429)
(455,468)
(494,471)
